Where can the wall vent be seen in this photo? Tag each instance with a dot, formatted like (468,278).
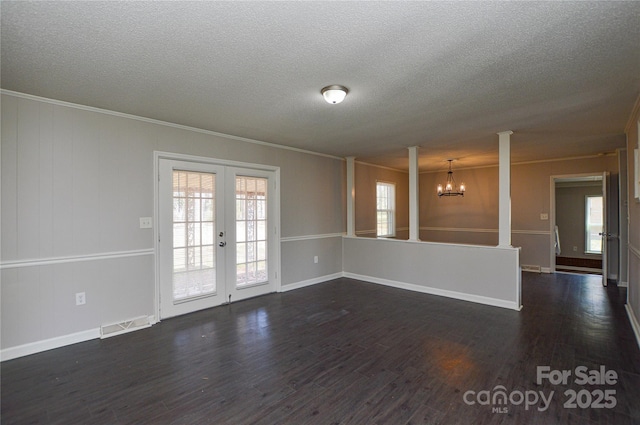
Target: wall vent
(141,322)
(529,268)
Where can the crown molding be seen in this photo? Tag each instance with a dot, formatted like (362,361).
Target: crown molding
(163,123)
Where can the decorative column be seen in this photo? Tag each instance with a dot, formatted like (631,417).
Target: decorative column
(504,189)
(414,196)
(351,196)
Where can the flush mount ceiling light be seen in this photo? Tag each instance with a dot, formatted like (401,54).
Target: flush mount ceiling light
(334,94)
(450,188)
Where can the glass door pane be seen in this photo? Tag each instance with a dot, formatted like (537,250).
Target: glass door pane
(251,231)
(594,224)
(194,230)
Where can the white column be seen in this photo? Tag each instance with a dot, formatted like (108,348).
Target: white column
(351,196)
(414,196)
(504,189)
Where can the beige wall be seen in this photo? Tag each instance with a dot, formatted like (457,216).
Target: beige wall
(366,177)
(633,131)
(474,218)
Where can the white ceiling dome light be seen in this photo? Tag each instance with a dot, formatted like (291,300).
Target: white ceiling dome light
(334,94)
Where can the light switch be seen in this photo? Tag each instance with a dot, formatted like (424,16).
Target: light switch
(146,222)
(544,216)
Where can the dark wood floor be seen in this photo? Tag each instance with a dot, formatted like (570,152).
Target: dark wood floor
(342,352)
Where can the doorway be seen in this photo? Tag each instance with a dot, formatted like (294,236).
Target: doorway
(579,224)
(217,236)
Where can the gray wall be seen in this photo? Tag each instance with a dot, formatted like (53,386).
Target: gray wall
(75,182)
(487,275)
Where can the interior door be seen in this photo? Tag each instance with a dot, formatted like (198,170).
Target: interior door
(217,235)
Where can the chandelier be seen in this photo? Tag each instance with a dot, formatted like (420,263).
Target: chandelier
(450,188)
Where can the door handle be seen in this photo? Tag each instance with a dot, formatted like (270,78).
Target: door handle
(222,244)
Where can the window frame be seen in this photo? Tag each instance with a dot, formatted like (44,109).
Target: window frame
(390,211)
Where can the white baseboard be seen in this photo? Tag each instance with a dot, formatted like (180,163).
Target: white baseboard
(545,269)
(436,291)
(60,341)
(48,344)
(623,284)
(309,282)
(634,323)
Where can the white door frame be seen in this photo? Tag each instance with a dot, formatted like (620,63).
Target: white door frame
(552,222)
(274,261)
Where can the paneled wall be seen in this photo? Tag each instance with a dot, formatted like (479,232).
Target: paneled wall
(75,182)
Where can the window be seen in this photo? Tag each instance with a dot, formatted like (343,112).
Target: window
(386,209)
(593,225)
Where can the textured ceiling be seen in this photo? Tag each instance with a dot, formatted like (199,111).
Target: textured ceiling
(442,75)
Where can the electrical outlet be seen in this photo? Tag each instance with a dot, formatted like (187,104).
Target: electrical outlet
(146,222)
(544,216)
(575,249)
(81,298)
(315,259)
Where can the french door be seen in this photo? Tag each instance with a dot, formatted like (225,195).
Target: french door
(217,235)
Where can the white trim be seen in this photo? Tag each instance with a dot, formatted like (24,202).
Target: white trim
(310,282)
(545,269)
(75,258)
(531,232)
(635,251)
(351,196)
(508,248)
(479,230)
(48,344)
(504,188)
(435,291)
(458,229)
(623,284)
(159,122)
(382,166)
(552,208)
(310,237)
(158,155)
(634,322)
(196,159)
